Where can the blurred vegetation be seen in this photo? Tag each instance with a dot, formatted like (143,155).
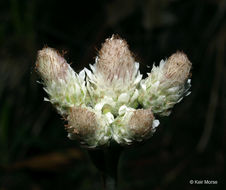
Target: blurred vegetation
(190,144)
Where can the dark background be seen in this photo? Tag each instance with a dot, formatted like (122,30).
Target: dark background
(35,152)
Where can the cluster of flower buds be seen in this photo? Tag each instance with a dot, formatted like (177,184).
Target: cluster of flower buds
(101,104)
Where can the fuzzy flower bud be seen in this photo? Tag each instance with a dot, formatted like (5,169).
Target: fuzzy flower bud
(115,75)
(89,127)
(166,85)
(64,87)
(177,68)
(133,125)
(115,61)
(51,65)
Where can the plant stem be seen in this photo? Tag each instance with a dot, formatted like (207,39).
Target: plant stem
(106,161)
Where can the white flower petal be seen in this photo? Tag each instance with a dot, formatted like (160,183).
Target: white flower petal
(122,110)
(110,117)
(155,123)
(123,98)
(46,99)
(82,74)
(135,96)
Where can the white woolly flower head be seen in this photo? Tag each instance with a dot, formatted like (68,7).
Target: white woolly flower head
(111,102)
(166,84)
(133,125)
(115,65)
(90,127)
(64,87)
(114,75)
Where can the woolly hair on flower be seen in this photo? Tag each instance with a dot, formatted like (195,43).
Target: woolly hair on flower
(166,85)
(110,101)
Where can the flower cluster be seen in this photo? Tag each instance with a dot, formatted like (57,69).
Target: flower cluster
(111,101)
